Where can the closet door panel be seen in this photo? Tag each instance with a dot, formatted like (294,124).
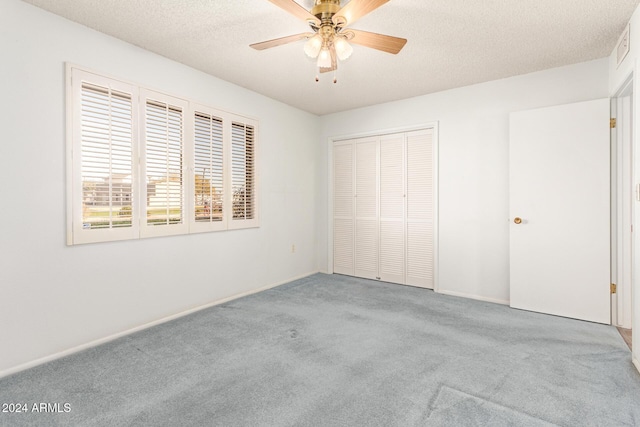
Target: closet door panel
(392,208)
(343,209)
(419,217)
(366,203)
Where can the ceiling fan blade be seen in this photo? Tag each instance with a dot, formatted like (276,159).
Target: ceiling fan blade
(282,40)
(355,10)
(296,10)
(381,42)
(334,61)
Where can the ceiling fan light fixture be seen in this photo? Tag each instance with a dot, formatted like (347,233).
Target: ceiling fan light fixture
(324,58)
(312,46)
(343,48)
(329,43)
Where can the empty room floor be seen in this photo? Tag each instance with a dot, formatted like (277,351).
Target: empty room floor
(337,350)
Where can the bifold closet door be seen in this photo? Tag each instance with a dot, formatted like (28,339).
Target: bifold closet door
(392,209)
(366,207)
(420,214)
(383,208)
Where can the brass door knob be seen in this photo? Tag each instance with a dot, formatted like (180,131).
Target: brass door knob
(517,220)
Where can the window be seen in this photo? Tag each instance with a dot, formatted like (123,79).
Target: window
(143,163)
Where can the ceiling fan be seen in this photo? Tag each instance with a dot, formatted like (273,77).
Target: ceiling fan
(329,41)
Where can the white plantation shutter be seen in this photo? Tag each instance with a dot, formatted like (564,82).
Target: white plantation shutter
(392,201)
(102,160)
(163,164)
(142,163)
(243,175)
(343,209)
(209,191)
(107,138)
(420,213)
(366,214)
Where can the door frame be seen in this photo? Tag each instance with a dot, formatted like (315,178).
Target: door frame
(632,81)
(331,140)
(622,206)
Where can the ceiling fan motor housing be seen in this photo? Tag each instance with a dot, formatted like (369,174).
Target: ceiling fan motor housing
(325,9)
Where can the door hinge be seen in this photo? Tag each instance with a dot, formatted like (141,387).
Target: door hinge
(612,123)
(614,288)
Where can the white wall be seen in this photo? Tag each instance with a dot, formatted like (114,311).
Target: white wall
(473,162)
(53,297)
(618,75)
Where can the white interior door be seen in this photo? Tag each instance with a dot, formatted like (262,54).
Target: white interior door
(559,188)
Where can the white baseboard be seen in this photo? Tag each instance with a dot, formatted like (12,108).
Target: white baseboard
(476,297)
(106,339)
(636,363)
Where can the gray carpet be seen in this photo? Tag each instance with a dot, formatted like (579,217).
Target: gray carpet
(334,350)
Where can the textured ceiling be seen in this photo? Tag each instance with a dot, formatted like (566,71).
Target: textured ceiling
(451,43)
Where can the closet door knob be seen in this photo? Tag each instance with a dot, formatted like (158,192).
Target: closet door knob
(517,220)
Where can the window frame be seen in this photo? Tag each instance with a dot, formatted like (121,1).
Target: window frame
(77,234)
